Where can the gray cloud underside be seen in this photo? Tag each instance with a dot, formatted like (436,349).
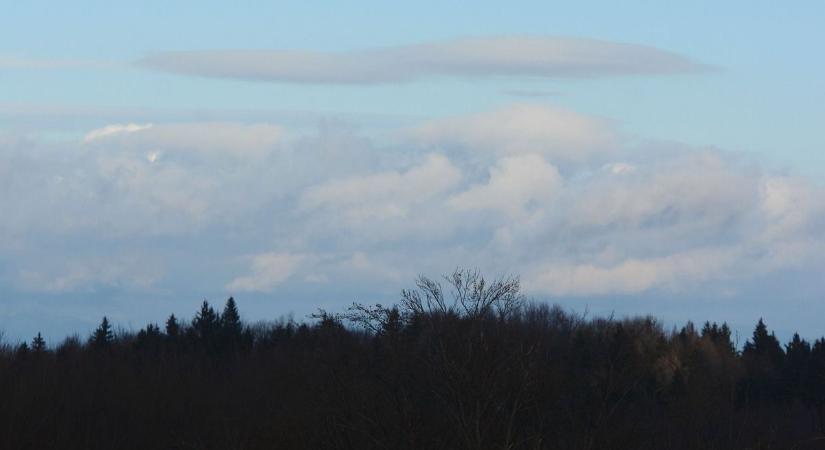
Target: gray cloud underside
(544,57)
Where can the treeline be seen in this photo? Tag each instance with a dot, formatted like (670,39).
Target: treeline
(461,364)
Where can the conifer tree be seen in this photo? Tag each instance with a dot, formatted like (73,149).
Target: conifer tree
(103,335)
(38,344)
(206,321)
(231,319)
(172,326)
(764,345)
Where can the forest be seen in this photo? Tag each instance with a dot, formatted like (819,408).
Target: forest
(460,362)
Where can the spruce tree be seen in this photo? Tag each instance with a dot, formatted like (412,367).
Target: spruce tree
(206,321)
(38,344)
(231,319)
(172,326)
(103,335)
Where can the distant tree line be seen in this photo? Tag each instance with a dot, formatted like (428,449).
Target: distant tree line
(462,363)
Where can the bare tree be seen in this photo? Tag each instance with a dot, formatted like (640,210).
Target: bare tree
(471,295)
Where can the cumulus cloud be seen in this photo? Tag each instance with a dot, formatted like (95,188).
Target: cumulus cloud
(514,184)
(347,205)
(268,270)
(547,57)
(384,195)
(634,275)
(559,134)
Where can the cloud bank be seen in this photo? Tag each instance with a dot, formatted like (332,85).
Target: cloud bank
(542,57)
(558,197)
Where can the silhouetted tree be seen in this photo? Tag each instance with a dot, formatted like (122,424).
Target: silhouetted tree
(796,367)
(231,319)
(38,344)
(763,357)
(172,326)
(463,366)
(103,335)
(206,321)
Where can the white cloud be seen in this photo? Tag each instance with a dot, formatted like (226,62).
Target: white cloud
(386,195)
(620,222)
(553,57)
(268,270)
(633,275)
(559,134)
(696,188)
(210,138)
(62,273)
(514,183)
(114,129)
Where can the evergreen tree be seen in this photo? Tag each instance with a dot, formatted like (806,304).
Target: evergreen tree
(764,345)
(797,364)
(206,321)
(719,335)
(172,326)
(103,335)
(763,357)
(38,344)
(231,319)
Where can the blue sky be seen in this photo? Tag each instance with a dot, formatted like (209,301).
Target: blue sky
(657,158)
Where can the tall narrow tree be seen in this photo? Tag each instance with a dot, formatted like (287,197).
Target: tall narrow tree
(38,344)
(103,335)
(231,319)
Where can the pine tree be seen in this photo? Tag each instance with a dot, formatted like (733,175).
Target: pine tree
(231,319)
(38,344)
(797,365)
(172,326)
(206,321)
(103,335)
(763,357)
(764,345)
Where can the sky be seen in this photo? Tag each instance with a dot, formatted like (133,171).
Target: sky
(619,157)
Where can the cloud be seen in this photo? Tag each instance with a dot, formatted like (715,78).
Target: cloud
(87,273)
(634,275)
(514,183)
(557,133)
(700,187)
(226,138)
(545,57)
(268,271)
(114,129)
(386,195)
(520,189)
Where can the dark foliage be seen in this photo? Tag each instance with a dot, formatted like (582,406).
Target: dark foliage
(469,366)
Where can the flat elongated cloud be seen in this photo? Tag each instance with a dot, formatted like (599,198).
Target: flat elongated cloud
(114,130)
(545,57)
